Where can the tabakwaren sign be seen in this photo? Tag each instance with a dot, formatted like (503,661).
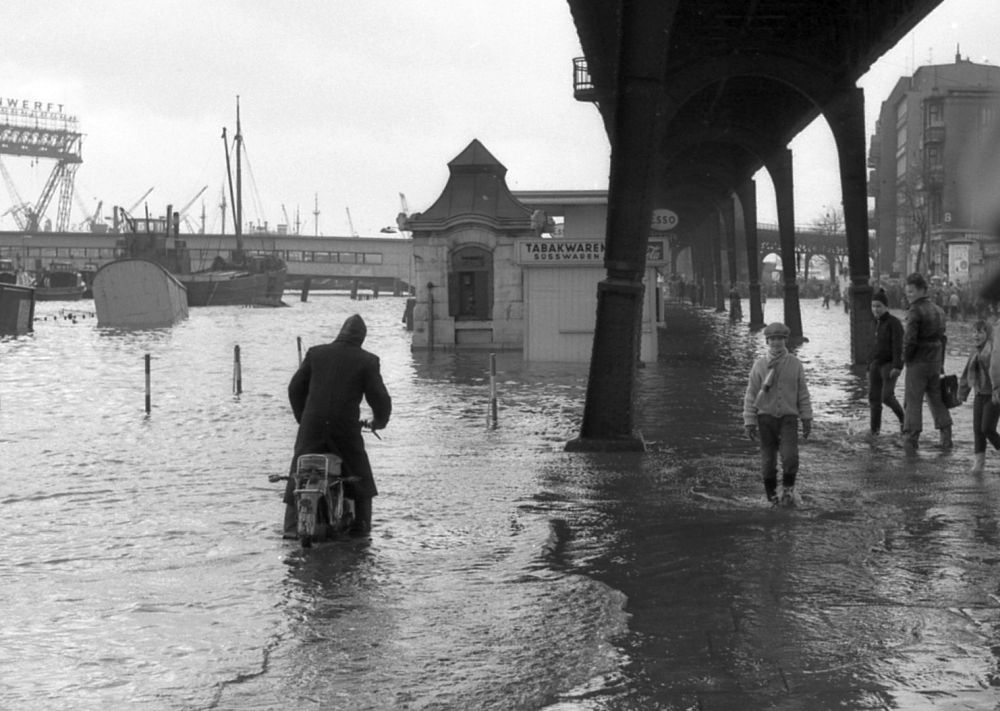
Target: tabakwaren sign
(576,252)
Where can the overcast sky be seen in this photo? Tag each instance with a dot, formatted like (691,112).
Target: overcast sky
(350,103)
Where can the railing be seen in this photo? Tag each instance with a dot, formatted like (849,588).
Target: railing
(583,85)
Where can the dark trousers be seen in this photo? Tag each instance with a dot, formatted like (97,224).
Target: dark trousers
(882,391)
(923,377)
(985,415)
(778,435)
(363,511)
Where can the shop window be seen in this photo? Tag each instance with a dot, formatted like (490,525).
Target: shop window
(470,284)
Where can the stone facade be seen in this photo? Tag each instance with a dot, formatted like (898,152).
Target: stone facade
(469,289)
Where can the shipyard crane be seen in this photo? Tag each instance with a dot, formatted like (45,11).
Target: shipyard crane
(182,213)
(350,223)
(139,201)
(183,210)
(20,207)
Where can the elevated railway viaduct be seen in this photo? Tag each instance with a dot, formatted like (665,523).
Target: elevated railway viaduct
(696,97)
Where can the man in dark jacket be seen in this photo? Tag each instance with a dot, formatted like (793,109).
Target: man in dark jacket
(886,362)
(325,394)
(923,352)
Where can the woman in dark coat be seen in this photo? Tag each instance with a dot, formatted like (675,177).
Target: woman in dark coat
(325,394)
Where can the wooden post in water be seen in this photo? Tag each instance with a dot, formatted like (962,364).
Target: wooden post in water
(237,371)
(299,340)
(493,391)
(148,398)
(306,283)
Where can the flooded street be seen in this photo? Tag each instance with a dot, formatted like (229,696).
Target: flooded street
(142,566)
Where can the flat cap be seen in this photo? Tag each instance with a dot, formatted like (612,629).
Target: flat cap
(777,329)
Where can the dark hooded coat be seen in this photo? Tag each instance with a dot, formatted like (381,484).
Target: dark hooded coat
(325,394)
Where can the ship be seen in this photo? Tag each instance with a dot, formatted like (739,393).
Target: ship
(239,278)
(61,281)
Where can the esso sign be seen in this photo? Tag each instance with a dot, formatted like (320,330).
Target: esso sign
(664,220)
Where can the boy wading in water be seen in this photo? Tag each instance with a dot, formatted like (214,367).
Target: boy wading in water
(776,399)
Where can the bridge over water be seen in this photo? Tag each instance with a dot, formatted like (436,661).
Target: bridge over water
(329,262)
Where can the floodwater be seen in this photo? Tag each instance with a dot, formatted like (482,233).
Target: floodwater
(142,566)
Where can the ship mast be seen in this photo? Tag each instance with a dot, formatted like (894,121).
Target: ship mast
(237,197)
(238,140)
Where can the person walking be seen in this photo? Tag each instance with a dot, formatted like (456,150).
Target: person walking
(325,394)
(735,304)
(924,342)
(977,379)
(885,364)
(776,398)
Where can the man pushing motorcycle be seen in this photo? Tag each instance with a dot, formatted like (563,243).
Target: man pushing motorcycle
(325,394)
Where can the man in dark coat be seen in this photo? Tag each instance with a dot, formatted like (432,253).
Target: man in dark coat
(885,364)
(325,394)
(924,342)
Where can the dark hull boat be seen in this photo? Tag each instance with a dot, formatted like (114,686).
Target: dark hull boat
(240,280)
(234,287)
(60,282)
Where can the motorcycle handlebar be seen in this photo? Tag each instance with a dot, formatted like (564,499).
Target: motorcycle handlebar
(365,425)
(368,425)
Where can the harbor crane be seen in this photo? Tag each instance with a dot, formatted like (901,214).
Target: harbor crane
(182,213)
(34,135)
(19,209)
(350,223)
(138,202)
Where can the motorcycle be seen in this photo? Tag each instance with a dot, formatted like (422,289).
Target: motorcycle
(324,510)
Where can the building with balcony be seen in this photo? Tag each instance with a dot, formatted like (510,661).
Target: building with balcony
(928,215)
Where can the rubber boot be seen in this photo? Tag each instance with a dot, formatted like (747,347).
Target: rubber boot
(771,491)
(290,528)
(876,420)
(910,440)
(946,442)
(362,524)
(978,463)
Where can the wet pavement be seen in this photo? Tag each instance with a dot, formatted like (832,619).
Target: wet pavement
(143,568)
(879,590)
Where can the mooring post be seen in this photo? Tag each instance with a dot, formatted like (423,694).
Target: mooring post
(299,340)
(493,391)
(237,371)
(148,398)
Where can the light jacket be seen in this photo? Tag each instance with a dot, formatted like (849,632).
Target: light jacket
(786,394)
(975,377)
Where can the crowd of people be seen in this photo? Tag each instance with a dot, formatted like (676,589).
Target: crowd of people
(777,397)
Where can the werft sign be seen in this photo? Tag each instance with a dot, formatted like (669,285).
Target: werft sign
(24,108)
(575,252)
